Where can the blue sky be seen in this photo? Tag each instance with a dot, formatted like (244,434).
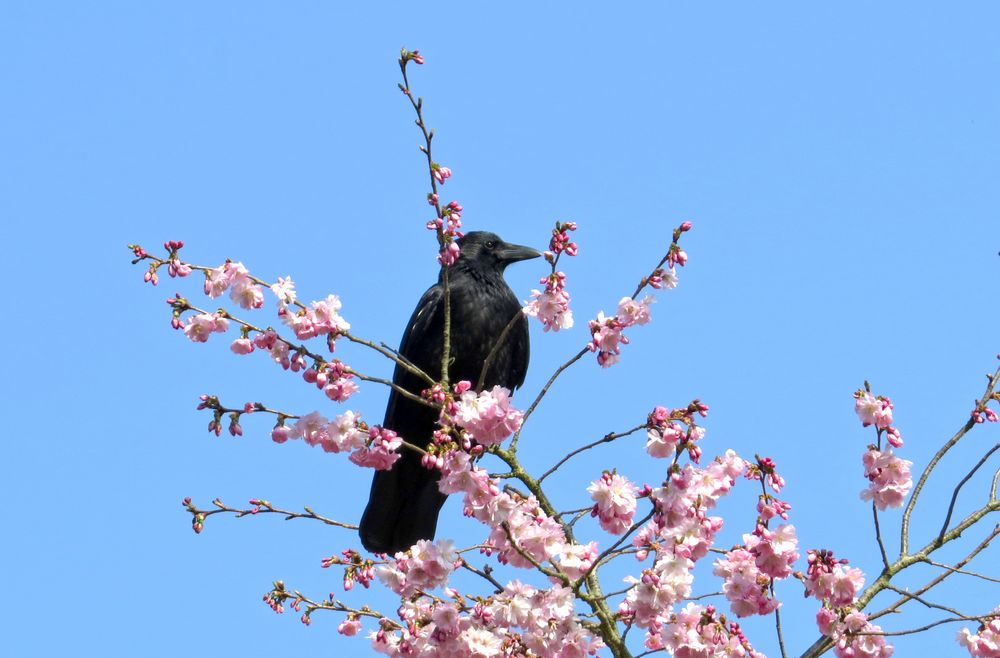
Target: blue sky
(840,166)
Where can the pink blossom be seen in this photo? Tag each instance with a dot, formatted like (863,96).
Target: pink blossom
(242,346)
(632,312)
(873,410)
(829,581)
(280,434)
(890,478)
(681,523)
(576,560)
(279,353)
(651,597)
(614,502)
(284,290)
(986,642)
(745,586)
(441,174)
(534,534)
(449,254)
(340,389)
(349,627)
(769,507)
(560,241)
(381,452)
(217,281)
(774,550)
(311,428)
(178,268)
(326,316)
(694,632)
(662,441)
(199,327)
(245,292)
(424,566)
(854,636)
(488,416)
(551,307)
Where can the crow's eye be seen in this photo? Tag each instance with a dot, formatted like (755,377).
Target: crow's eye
(491,244)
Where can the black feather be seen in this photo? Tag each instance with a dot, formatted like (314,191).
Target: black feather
(404,502)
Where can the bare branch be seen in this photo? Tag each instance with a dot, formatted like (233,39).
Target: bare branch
(968,476)
(607,438)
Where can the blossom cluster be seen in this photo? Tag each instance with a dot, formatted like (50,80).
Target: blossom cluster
(322,318)
(877,411)
(520,620)
(561,243)
(423,567)
(199,327)
(749,571)
(982,413)
(551,306)
(234,277)
(668,430)
(373,447)
(828,580)
(522,534)
(852,634)
(487,416)
(679,533)
(614,502)
(356,568)
(606,332)
(696,631)
(745,586)
(333,378)
(889,475)
(986,642)
(449,224)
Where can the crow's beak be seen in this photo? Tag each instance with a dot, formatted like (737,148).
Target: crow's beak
(511,253)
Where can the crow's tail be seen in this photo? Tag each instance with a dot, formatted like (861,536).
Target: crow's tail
(403,506)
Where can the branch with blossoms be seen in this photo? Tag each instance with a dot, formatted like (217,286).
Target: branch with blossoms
(542,561)
(842,622)
(258,506)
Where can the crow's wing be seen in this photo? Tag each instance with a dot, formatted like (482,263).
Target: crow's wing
(404,502)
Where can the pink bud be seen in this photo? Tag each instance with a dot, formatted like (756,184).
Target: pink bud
(686,226)
(279,434)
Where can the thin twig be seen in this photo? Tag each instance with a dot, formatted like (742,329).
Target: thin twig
(904,544)
(496,349)
(968,476)
(607,438)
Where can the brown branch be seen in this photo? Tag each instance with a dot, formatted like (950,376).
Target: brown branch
(904,545)
(260,507)
(607,438)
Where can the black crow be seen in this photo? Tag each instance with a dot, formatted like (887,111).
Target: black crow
(404,502)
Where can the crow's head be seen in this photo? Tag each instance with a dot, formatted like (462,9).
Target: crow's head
(487,251)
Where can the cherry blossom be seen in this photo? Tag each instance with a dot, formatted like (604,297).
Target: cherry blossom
(853,635)
(830,581)
(614,502)
(488,416)
(284,290)
(551,306)
(380,451)
(199,327)
(890,478)
(985,643)
(745,585)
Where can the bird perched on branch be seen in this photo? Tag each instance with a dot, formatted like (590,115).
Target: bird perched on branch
(404,502)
